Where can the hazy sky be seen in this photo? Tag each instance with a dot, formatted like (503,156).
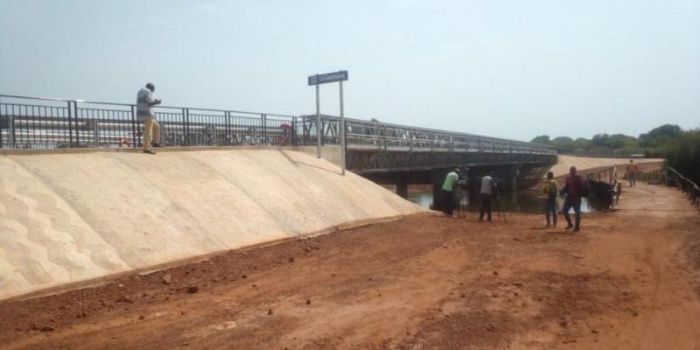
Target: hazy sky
(512,69)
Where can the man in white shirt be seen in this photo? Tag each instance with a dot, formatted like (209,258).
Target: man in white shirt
(144,103)
(486,194)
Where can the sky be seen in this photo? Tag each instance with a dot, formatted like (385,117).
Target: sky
(510,69)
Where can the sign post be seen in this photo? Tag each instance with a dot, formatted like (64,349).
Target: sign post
(342,129)
(319,126)
(317,80)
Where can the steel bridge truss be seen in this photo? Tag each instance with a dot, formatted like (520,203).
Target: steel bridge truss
(374,146)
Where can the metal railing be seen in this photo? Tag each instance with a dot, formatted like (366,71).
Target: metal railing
(564,151)
(30,122)
(371,135)
(687,186)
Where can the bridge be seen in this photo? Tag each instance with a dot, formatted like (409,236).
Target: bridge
(383,152)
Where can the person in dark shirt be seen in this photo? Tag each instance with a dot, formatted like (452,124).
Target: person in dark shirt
(573,189)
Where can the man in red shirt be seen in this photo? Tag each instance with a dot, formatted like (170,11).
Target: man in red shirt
(573,189)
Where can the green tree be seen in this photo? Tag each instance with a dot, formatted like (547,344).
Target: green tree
(581,144)
(564,142)
(666,130)
(681,148)
(543,139)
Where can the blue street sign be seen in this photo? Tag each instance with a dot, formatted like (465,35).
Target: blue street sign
(328,77)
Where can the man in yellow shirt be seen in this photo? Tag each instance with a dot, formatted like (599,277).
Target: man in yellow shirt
(549,188)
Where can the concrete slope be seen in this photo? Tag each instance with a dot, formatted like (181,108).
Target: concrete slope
(71,217)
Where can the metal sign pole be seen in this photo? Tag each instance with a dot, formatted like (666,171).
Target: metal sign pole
(317,80)
(342,129)
(319,132)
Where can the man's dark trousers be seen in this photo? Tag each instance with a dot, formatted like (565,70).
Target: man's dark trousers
(449,202)
(572,203)
(485,206)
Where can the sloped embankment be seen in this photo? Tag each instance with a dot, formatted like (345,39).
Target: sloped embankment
(72,217)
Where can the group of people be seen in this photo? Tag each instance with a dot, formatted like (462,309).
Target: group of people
(452,195)
(575,188)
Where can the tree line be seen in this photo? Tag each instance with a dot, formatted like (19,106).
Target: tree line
(680,147)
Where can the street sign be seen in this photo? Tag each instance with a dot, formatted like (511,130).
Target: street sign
(328,77)
(317,80)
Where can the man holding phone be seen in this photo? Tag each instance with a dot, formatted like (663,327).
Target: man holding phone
(144,103)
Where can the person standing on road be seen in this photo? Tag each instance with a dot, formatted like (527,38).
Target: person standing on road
(550,199)
(573,189)
(487,192)
(632,171)
(144,103)
(448,188)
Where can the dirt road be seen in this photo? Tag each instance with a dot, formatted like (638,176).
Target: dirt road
(628,280)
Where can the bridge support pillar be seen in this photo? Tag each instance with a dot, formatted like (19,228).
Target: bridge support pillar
(515,172)
(436,180)
(402,186)
(514,181)
(437,197)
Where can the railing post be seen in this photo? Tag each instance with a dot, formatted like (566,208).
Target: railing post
(186,120)
(263,119)
(11,130)
(227,127)
(134,127)
(96,132)
(70,124)
(77,129)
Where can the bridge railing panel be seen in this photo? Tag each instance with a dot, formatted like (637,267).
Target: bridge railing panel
(684,184)
(28,122)
(103,125)
(366,134)
(35,125)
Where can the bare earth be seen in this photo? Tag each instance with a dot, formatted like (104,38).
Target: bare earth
(629,280)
